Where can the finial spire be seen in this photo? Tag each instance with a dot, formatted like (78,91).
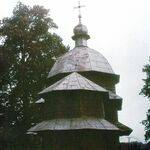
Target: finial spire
(79,7)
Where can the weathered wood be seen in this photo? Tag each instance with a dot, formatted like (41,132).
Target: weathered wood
(74,81)
(81,59)
(74,124)
(80,109)
(80,140)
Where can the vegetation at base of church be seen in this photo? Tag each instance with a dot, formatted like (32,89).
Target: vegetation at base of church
(146,92)
(27,52)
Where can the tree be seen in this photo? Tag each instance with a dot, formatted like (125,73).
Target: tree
(28,50)
(146,92)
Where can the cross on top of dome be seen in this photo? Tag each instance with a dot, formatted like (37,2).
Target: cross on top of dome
(79,7)
(80,31)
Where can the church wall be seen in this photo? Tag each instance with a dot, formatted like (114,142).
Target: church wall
(74,104)
(106,81)
(111,113)
(81,140)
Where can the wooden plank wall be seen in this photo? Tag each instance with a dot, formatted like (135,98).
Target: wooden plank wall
(134,146)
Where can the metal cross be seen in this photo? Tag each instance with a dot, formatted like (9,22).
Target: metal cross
(79,7)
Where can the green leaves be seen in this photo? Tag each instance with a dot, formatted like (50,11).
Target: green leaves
(27,48)
(146,92)
(146,88)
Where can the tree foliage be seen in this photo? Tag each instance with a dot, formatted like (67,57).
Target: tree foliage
(27,50)
(146,92)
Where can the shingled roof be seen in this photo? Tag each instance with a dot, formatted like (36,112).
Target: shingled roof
(74,124)
(74,81)
(81,59)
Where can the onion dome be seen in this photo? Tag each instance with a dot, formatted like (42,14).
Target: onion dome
(81,58)
(80,35)
(80,29)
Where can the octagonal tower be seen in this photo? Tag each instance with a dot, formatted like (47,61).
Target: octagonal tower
(80,109)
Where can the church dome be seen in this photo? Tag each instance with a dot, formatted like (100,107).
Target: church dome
(80,29)
(81,59)
(80,35)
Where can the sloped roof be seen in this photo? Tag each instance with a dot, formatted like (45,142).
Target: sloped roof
(79,59)
(114,96)
(74,124)
(124,130)
(74,81)
(41,100)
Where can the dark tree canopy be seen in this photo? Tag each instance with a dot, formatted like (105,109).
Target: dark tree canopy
(27,52)
(146,92)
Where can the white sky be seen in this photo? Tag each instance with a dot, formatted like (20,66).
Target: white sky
(120,30)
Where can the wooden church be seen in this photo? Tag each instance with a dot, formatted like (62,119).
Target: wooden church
(80,106)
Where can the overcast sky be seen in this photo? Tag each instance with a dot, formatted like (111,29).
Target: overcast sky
(120,30)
